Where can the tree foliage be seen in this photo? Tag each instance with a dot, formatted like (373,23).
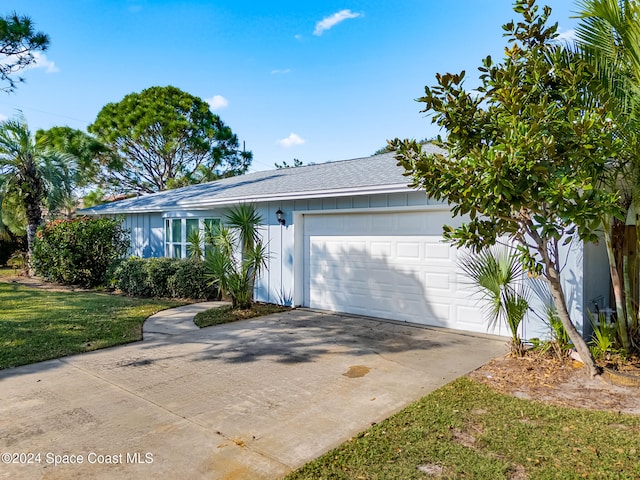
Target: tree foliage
(32,177)
(90,155)
(525,154)
(165,138)
(18,42)
(389,148)
(609,39)
(296,163)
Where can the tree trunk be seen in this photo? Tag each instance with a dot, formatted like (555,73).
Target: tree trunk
(631,321)
(553,276)
(31,236)
(34,193)
(617,286)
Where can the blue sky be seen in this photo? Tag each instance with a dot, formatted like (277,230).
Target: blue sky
(317,81)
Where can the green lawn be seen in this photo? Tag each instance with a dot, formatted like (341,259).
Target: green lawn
(467,430)
(38,325)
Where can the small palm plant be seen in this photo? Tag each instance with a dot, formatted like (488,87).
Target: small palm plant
(237,255)
(498,277)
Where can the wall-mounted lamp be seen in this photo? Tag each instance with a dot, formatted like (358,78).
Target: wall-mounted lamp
(280,216)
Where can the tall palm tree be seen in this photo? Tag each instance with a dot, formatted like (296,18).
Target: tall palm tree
(32,177)
(609,39)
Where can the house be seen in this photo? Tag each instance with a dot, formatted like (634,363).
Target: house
(348,236)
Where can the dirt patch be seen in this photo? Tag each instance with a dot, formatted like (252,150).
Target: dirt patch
(37,282)
(559,382)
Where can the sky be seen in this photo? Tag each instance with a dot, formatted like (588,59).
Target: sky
(317,80)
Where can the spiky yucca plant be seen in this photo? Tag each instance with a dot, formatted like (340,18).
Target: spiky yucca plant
(234,271)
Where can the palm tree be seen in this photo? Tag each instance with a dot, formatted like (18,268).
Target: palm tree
(609,39)
(498,277)
(31,177)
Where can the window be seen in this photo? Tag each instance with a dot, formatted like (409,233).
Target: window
(178,230)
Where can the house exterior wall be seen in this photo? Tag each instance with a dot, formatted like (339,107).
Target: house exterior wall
(585,282)
(146,232)
(583,277)
(597,282)
(277,283)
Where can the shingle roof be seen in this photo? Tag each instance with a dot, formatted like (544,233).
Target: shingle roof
(375,174)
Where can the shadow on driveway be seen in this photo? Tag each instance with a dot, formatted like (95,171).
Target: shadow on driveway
(253,399)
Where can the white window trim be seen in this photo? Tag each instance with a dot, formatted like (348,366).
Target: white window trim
(169,244)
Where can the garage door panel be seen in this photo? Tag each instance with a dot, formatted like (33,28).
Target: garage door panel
(391,265)
(381,249)
(470,318)
(437,281)
(408,249)
(438,252)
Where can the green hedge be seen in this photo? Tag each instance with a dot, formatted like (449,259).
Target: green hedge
(80,251)
(163,277)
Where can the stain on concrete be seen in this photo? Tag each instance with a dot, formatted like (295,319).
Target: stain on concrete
(356,371)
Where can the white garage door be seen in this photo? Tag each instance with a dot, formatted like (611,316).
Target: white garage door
(388,265)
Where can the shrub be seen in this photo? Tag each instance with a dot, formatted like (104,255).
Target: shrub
(190,281)
(9,245)
(163,277)
(80,250)
(131,277)
(158,272)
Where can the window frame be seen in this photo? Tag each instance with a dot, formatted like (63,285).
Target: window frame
(178,249)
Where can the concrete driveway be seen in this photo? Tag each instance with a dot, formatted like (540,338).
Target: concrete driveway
(248,400)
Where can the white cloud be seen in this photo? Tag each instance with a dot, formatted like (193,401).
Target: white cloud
(217,102)
(3,117)
(41,61)
(280,72)
(332,20)
(568,36)
(291,140)
(298,37)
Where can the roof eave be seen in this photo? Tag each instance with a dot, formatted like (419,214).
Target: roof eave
(287,196)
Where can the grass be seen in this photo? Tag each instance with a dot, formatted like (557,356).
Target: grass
(7,272)
(220,315)
(467,430)
(38,325)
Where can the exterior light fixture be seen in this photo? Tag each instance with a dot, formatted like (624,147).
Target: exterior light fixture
(280,216)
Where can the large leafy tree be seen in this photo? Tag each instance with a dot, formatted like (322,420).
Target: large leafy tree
(32,177)
(525,154)
(163,138)
(18,42)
